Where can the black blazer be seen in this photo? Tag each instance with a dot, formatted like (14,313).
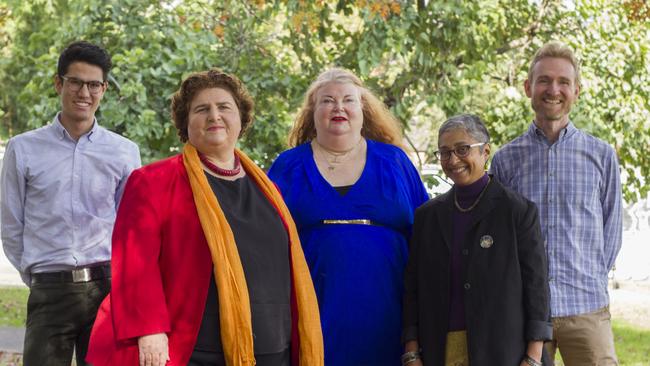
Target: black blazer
(506,285)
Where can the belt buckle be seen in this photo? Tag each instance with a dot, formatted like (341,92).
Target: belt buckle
(81,275)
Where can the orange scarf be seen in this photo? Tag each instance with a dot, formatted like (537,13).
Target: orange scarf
(234,304)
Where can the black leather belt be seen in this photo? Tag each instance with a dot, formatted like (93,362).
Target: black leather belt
(86,274)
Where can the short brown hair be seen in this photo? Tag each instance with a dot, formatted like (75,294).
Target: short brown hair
(213,78)
(379,124)
(555,49)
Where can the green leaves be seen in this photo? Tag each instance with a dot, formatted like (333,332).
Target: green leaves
(426,61)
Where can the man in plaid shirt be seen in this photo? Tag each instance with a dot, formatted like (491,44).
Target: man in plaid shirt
(574,179)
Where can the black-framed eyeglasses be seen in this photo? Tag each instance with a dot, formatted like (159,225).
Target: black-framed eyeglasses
(460,151)
(94,86)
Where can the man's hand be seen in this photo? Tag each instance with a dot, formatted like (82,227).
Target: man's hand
(154,350)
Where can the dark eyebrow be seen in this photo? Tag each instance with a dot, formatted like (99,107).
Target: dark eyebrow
(228,103)
(199,105)
(460,143)
(82,80)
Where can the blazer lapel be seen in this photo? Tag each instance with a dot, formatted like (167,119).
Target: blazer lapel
(488,202)
(445,212)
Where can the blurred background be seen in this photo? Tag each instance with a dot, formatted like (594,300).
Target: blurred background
(427,60)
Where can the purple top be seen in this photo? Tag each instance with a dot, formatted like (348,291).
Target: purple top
(466,196)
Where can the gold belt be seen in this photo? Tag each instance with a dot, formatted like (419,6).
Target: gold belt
(349,222)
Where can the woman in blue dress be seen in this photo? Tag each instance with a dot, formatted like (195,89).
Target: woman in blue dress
(352,192)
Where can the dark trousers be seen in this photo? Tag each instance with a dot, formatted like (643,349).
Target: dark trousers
(60,317)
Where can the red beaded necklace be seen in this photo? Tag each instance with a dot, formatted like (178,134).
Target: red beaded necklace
(221,171)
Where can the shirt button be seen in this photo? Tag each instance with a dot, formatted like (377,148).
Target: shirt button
(467,286)
(465,252)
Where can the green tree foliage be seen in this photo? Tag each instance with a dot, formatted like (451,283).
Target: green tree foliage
(427,59)
(154,45)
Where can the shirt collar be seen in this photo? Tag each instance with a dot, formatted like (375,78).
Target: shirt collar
(61,132)
(566,132)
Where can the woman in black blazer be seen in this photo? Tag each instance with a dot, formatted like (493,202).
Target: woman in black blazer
(476,287)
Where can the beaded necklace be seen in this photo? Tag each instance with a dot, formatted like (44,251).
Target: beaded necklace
(220,171)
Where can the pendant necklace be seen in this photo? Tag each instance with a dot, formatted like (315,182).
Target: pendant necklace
(470,208)
(338,157)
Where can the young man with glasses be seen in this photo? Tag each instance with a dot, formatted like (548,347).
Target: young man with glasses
(573,178)
(60,186)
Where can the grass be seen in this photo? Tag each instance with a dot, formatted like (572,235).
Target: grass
(13,306)
(632,343)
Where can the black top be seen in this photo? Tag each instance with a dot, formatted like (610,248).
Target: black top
(263,246)
(461,222)
(342,190)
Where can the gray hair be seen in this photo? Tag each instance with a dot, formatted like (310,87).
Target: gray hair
(471,123)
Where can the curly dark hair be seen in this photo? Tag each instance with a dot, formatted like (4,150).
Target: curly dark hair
(213,78)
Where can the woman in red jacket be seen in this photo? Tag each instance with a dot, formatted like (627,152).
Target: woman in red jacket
(207,265)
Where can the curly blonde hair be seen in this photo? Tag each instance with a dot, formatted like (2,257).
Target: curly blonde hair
(379,124)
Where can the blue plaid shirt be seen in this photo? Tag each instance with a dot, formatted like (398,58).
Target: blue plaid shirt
(576,185)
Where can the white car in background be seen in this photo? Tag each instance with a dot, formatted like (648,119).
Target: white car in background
(434,180)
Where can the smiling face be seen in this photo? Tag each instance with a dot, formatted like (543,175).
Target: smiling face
(552,89)
(79,107)
(214,122)
(338,111)
(466,170)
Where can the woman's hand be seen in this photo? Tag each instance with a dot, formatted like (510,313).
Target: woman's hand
(534,351)
(154,350)
(413,346)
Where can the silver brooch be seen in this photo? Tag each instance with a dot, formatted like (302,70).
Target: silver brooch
(486,241)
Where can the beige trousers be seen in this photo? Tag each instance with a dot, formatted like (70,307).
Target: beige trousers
(456,350)
(584,339)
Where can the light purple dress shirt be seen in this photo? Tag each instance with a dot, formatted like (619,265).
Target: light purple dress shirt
(58,196)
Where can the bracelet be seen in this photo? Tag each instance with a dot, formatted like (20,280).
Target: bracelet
(531,361)
(409,357)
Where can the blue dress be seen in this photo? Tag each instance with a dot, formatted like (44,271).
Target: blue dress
(357,269)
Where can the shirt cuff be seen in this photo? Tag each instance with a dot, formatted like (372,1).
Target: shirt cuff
(537,330)
(409,334)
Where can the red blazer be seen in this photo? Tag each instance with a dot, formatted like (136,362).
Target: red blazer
(161,269)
